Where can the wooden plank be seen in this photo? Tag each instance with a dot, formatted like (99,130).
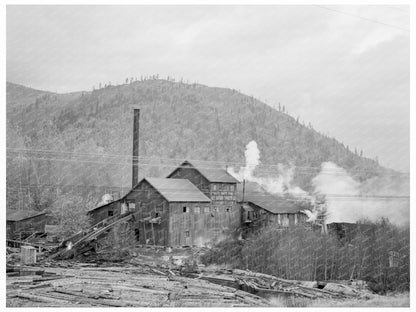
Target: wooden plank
(90,236)
(49,278)
(141,289)
(39,298)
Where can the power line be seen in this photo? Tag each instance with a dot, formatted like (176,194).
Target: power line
(272,196)
(201,163)
(400,9)
(304,171)
(362,17)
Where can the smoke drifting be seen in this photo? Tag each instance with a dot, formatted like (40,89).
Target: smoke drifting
(280,185)
(345,199)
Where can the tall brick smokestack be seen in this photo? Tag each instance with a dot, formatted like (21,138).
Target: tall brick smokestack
(135,162)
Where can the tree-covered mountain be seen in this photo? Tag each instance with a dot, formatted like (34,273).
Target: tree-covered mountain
(91,134)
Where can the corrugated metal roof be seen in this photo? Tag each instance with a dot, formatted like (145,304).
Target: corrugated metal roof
(18,215)
(256,195)
(178,190)
(211,172)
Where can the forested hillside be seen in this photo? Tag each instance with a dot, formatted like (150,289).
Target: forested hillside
(91,134)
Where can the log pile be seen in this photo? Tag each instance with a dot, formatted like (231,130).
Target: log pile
(153,276)
(269,286)
(75,284)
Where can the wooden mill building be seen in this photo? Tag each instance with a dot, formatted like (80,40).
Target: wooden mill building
(193,206)
(220,187)
(260,208)
(22,223)
(170,212)
(196,204)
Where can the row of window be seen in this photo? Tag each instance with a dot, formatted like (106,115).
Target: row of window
(205,209)
(185,209)
(223,187)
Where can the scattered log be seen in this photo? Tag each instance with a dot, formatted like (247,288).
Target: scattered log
(39,286)
(141,289)
(43,279)
(75,293)
(159,272)
(39,298)
(309,284)
(341,289)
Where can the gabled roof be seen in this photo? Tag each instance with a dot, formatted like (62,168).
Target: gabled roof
(19,215)
(211,172)
(177,190)
(258,196)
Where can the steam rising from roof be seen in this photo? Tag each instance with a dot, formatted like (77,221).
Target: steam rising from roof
(336,194)
(282,184)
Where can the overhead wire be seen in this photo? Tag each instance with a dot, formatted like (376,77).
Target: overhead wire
(362,17)
(274,196)
(127,158)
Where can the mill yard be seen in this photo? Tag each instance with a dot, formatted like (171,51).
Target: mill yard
(147,276)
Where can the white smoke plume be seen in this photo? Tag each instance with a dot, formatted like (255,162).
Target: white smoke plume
(282,184)
(348,200)
(252,155)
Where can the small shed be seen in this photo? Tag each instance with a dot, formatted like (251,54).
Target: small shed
(22,223)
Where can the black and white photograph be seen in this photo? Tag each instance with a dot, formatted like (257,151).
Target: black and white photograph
(184,155)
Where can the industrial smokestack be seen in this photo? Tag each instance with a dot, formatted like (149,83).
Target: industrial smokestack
(244,188)
(135,163)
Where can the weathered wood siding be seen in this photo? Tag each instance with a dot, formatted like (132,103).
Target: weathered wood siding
(193,224)
(29,225)
(223,201)
(285,219)
(104,212)
(194,176)
(222,195)
(148,202)
(262,217)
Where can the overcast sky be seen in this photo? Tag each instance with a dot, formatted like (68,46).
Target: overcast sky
(345,69)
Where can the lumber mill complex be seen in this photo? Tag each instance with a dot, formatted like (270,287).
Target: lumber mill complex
(172,221)
(194,205)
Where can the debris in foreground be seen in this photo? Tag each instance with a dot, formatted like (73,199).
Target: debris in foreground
(119,286)
(154,276)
